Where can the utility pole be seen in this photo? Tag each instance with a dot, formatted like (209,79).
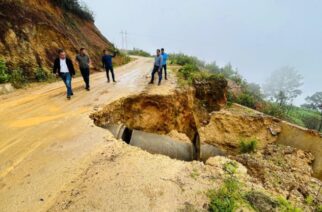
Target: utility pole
(122,37)
(126,41)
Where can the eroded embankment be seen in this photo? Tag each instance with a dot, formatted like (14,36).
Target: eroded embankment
(151,113)
(281,169)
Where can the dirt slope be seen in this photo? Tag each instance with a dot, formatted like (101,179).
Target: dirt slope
(32,36)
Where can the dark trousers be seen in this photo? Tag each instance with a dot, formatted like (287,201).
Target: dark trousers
(110,69)
(67,78)
(164,67)
(85,73)
(155,70)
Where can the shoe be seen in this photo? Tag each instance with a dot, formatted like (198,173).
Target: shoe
(108,81)
(88,89)
(150,83)
(159,84)
(68,98)
(72,94)
(114,81)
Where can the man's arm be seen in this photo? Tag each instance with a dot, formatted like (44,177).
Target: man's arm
(160,67)
(103,62)
(55,67)
(114,54)
(72,71)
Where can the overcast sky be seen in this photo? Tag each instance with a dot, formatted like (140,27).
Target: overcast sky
(255,36)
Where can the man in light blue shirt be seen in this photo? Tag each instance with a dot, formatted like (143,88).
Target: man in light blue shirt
(165,57)
(157,67)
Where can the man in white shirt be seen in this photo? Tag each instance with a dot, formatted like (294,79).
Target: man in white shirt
(64,68)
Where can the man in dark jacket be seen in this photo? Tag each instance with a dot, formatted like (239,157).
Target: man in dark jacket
(108,64)
(84,63)
(64,68)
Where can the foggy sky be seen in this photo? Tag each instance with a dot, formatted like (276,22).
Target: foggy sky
(256,37)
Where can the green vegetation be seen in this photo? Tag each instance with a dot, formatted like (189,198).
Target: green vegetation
(280,90)
(4,76)
(231,167)
(227,198)
(41,74)
(139,52)
(18,79)
(286,206)
(248,146)
(75,7)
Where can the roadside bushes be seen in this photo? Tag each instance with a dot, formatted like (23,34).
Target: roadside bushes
(23,73)
(17,78)
(41,74)
(75,7)
(139,52)
(4,76)
(182,59)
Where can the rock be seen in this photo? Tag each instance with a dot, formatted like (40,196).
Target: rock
(262,202)
(282,169)
(6,88)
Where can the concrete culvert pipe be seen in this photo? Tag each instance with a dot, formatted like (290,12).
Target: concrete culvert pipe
(165,145)
(207,151)
(159,144)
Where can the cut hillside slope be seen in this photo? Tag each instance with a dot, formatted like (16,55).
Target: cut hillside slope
(31,37)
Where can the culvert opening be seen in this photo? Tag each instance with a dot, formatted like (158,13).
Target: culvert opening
(127,135)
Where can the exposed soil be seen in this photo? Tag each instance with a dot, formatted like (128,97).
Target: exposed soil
(151,113)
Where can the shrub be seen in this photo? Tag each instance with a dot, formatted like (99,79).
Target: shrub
(275,110)
(73,6)
(188,70)
(17,78)
(247,100)
(248,146)
(139,52)
(4,76)
(41,74)
(226,198)
(311,122)
(182,59)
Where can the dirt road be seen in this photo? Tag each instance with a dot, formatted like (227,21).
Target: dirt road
(46,140)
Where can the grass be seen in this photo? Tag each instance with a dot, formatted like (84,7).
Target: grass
(248,146)
(227,198)
(286,206)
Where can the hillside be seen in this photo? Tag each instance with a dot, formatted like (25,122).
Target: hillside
(31,37)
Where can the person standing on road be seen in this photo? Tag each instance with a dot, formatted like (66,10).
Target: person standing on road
(108,64)
(157,67)
(165,57)
(64,68)
(84,63)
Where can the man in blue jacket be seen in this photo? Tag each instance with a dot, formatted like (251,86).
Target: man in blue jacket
(165,57)
(108,64)
(157,68)
(64,68)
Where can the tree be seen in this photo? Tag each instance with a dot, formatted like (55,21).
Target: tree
(315,102)
(283,86)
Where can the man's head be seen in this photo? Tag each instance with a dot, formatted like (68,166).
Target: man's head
(158,52)
(162,51)
(82,51)
(62,54)
(105,52)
